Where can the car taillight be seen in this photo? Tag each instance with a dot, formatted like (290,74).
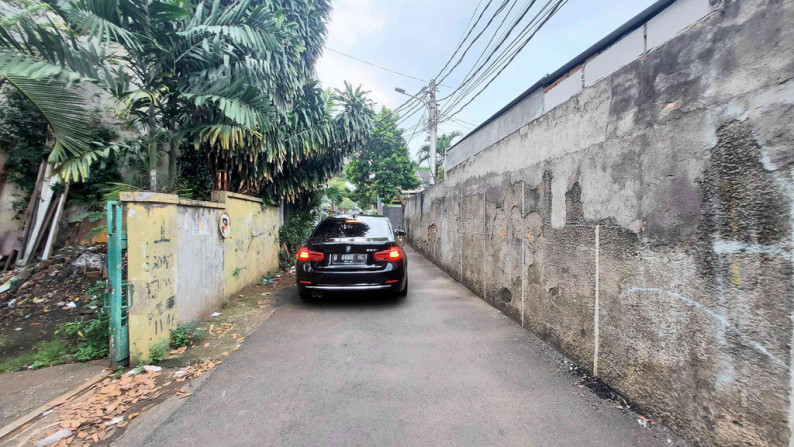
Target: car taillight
(304,254)
(392,254)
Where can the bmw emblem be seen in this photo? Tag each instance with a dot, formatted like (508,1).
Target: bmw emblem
(347,249)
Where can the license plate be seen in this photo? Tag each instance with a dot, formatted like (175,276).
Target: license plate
(349,258)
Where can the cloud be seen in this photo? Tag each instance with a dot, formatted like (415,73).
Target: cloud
(351,20)
(354,23)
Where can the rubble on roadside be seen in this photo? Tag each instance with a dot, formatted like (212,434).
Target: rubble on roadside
(115,402)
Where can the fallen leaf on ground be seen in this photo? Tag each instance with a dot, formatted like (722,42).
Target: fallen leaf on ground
(206,345)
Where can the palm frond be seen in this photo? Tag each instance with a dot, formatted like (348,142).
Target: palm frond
(66,113)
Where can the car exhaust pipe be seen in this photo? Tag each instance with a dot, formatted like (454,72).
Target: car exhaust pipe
(317,294)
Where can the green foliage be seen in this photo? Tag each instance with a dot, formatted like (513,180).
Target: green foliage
(45,353)
(157,352)
(104,171)
(23,138)
(443,142)
(23,135)
(346,204)
(304,214)
(194,173)
(235,80)
(185,334)
(265,279)
(17,363)
(91,336)
(382,167)
(337,192)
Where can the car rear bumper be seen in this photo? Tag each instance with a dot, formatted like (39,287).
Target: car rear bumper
(351,287)
(390,278)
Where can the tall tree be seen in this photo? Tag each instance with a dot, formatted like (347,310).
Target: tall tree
(382,167)
(443,142)
(235,78)
(39,60)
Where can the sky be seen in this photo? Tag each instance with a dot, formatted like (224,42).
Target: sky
(417,37)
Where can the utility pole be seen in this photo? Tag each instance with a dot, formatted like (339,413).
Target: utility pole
(433,125)
(432,122)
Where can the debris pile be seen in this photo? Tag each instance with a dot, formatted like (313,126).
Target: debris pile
(40,297)
(115,402)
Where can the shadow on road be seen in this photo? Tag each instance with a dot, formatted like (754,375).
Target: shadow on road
(330,300)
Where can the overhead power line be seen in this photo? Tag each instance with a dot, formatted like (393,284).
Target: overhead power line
(473,41)
(492,51)
(376,65)
(466,37)
(505,41)
(507,57)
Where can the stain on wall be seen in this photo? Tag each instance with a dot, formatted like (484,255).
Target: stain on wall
(684,161)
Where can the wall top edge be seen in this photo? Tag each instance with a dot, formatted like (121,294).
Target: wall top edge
(219,199)
(222,196)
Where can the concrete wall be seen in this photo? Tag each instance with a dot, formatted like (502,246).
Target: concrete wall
(252,247)
(181,268)
(395,215)
(643,226)
(550,92)
(200,270)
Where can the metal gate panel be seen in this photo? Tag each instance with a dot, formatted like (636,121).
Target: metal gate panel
(119,295)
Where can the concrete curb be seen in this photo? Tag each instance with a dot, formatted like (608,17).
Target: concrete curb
(60,400)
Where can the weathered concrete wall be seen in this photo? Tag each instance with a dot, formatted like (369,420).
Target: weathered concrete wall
(395,215)
(151,269)
(200,267)
(181,268)
(644,226)
(252,247)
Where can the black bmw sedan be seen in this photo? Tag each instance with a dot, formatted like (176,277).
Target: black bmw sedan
(352,253)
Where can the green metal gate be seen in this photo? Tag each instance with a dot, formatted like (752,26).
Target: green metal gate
(118,296)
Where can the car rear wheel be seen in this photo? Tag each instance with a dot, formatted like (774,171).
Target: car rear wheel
(404,291)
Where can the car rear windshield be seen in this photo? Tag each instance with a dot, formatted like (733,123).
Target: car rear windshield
(370,229)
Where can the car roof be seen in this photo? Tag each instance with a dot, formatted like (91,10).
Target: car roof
(356,216)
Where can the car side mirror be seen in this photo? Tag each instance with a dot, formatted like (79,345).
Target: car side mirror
(399,232)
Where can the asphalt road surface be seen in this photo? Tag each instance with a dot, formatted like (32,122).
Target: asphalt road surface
(438,367)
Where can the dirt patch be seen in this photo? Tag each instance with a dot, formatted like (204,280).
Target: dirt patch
(46,295)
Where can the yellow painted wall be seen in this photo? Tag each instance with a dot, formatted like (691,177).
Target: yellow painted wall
(252,247)
(153,242)
(151,269)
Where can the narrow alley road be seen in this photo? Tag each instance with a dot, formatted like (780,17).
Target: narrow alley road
(439,367)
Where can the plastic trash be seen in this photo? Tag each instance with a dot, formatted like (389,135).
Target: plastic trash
(7,285)
(55,437)
(152,368)
(215,314)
